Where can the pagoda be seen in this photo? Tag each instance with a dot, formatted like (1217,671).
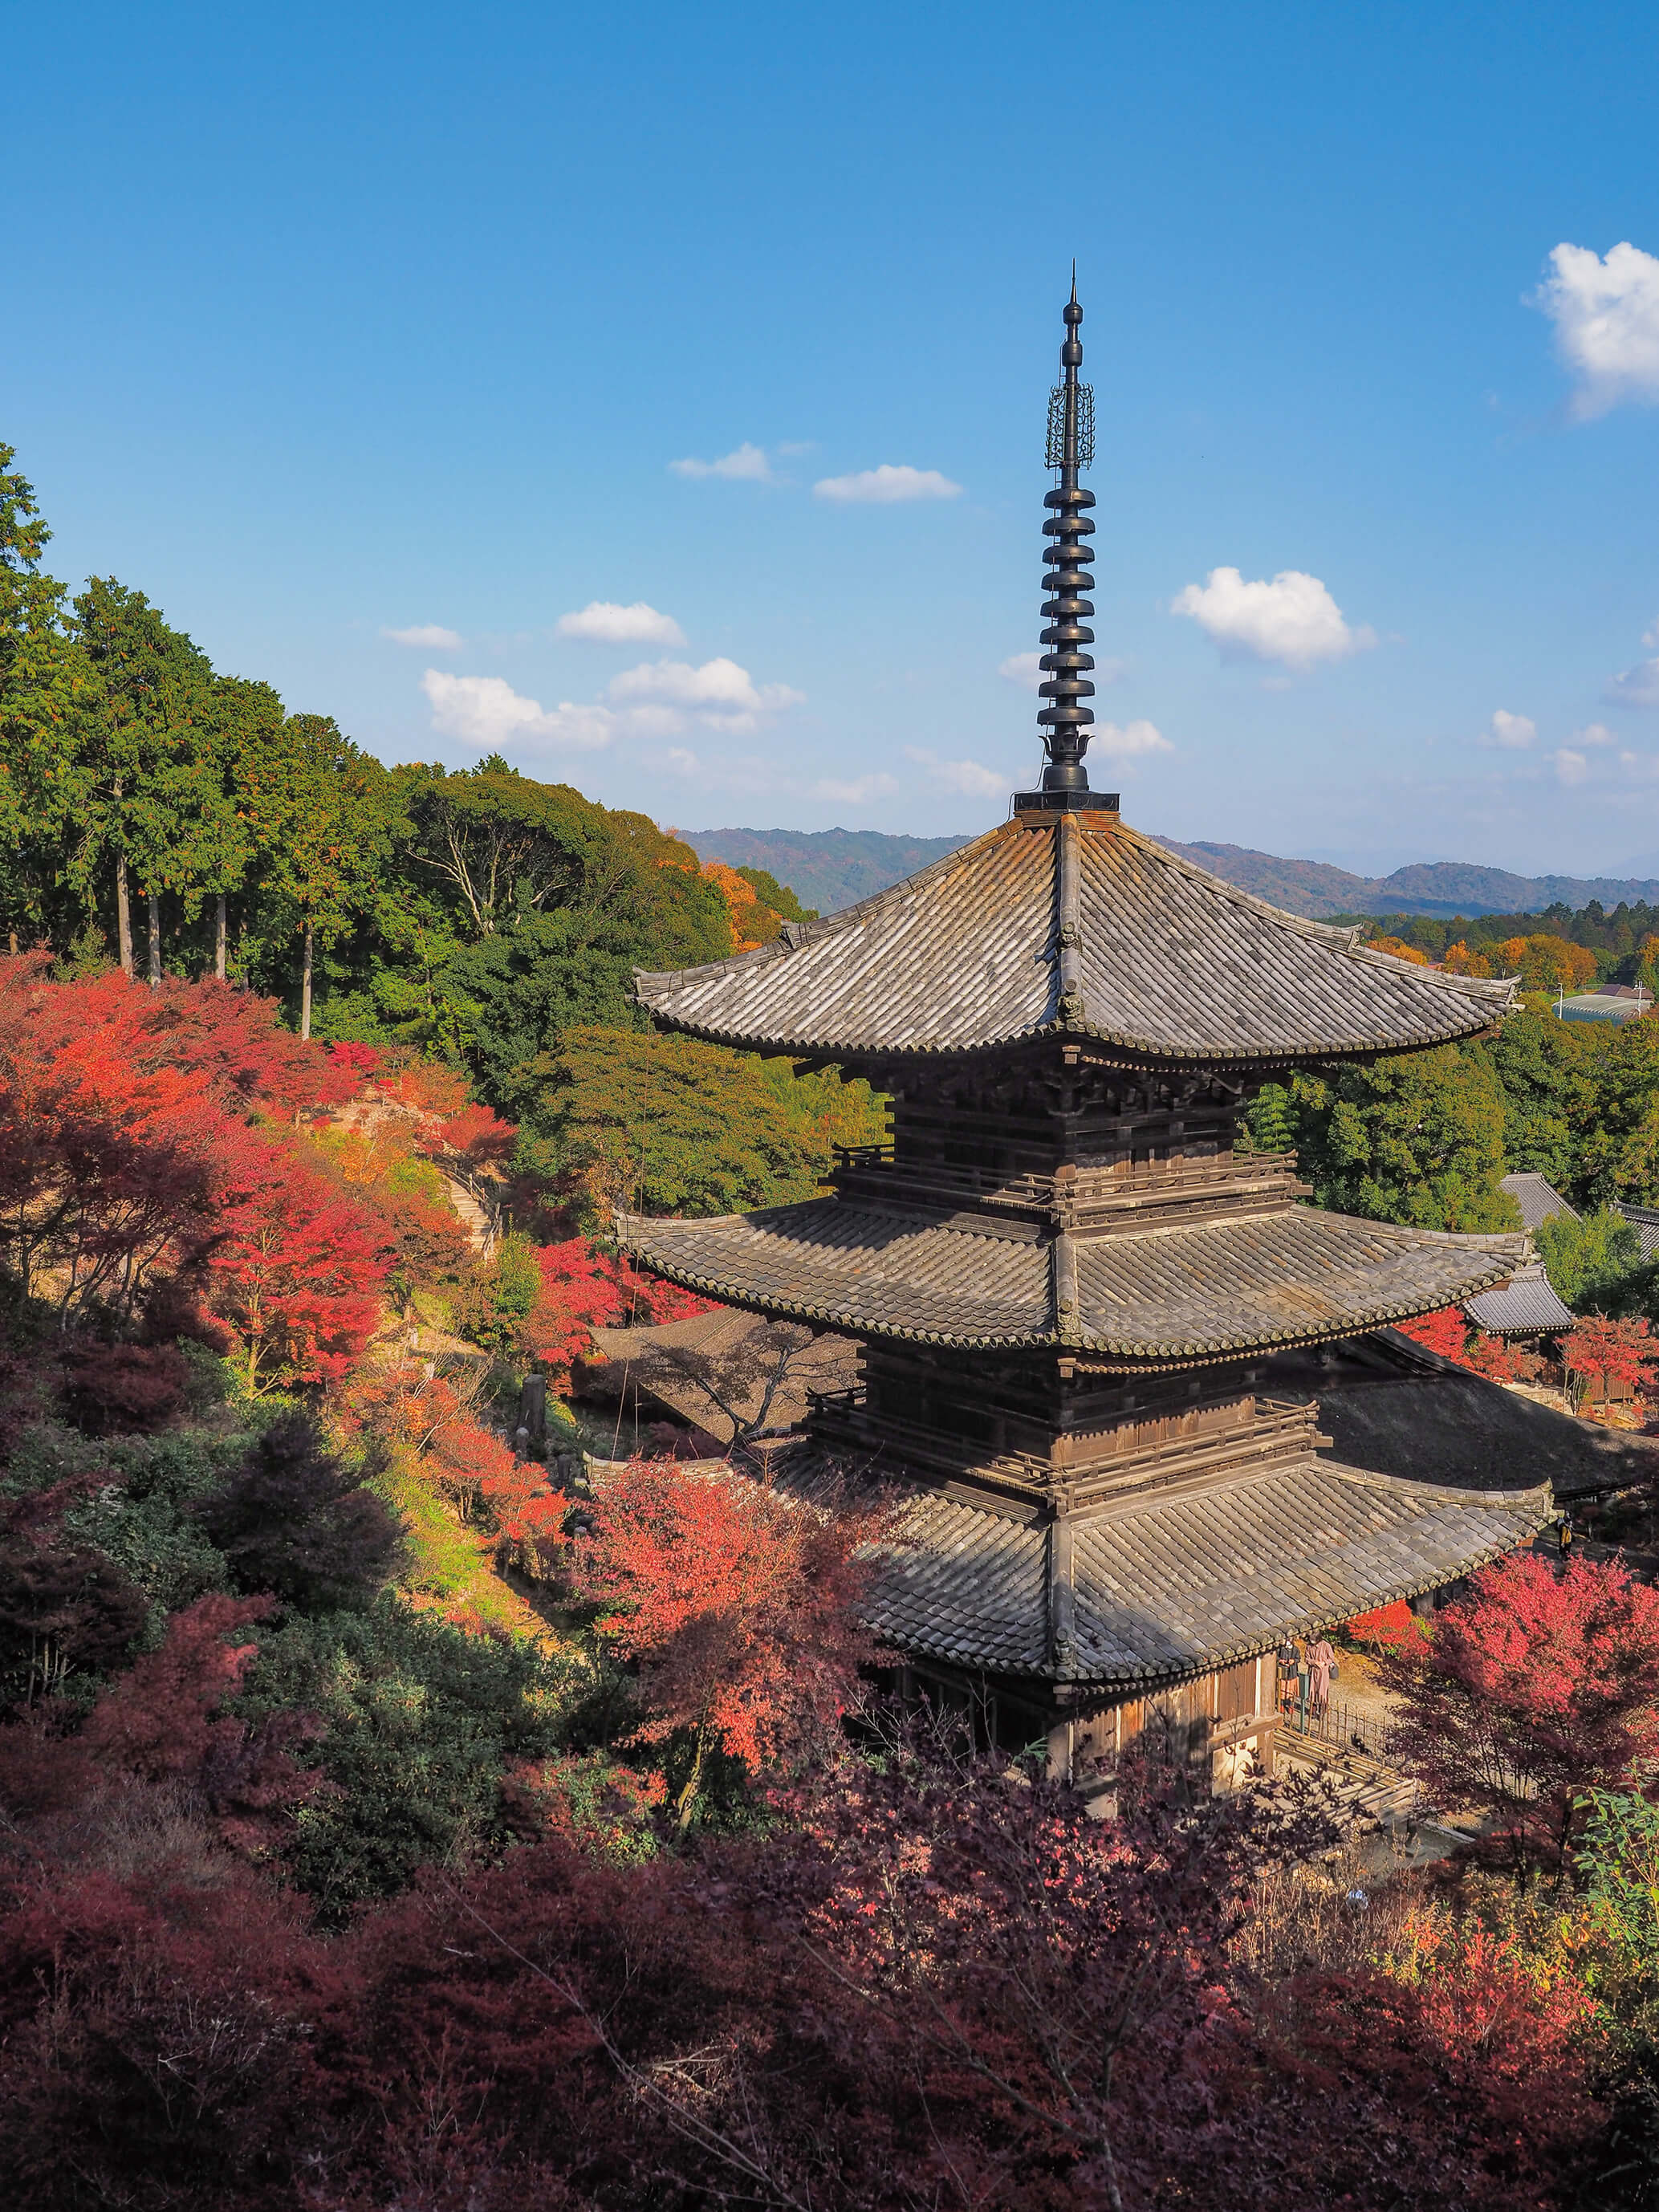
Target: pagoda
(1074,1284)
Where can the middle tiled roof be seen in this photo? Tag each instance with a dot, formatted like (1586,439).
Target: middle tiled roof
(1293,1276)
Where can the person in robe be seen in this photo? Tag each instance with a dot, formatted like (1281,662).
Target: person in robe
(1322,1672)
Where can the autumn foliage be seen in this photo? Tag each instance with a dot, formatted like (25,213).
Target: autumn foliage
(1444,1332)
(1541,1683)
(1618,1353)
(736,1605)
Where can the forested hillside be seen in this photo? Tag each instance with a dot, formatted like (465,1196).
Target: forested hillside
(1442,888)
(829,868)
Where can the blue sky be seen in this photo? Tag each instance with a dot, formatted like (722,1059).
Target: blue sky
(325,324)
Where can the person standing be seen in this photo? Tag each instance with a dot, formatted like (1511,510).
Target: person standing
(1322,1670)
(1288,1660)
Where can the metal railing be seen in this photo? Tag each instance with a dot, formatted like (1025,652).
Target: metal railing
(1342,1727)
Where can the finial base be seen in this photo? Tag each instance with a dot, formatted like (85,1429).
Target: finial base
(1065,802)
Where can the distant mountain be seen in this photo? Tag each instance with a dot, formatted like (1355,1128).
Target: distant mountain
(827,869)
(1435,887)
(833,868)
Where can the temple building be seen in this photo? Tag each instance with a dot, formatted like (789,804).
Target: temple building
(1088,1313)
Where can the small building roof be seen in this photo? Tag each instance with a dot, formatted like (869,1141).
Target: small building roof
(1645,1220)
(1199,1290)
(712,1365)
(1600,1007)
(1524,1306)
(1071,924)
(1539,1201)
(1395,1408)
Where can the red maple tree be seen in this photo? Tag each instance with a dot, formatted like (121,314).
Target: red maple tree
(1445,1331)
(1605,1351)
(738,1607)
(1544,1681)
(297,1274)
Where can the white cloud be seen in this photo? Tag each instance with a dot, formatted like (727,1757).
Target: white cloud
(682,762)
(719,693)
(432,636)
(1571,767)
(602,621)
(1510,732)
(1645,765)
(857,793)
(884,486)
(1293,619)
(1593,734)
(1636,687)
(1606,324)
(966,777)
(486,712)
(748,465)
(1132,742)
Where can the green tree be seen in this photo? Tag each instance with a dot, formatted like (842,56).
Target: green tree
(217,850)
(669,1125)
(1417,1138)
(315,804)
(1596,1265)
(1546,1069)
(779,896)
(49,696)
(420,1722)
(155,711)
(1616,1116)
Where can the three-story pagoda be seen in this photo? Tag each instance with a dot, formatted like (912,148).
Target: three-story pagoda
(1069,1287)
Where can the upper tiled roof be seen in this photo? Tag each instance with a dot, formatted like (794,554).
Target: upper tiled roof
(1645,1220)
(1076,925)
(1539,1201)
(1180,1583)
(1198,1291)
(1523,1306)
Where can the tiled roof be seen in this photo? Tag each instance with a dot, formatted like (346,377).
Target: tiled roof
(1521,1307)
(712,1362)
(1645,1220)
(1181,1583)
(1280,1278)
(1539,1201)
(1075,925)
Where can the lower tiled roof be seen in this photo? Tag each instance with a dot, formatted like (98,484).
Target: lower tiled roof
(1182,1584)
(1292,1276)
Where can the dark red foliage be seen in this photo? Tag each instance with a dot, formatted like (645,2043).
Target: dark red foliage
(117,1390)
(163,1722)
(65,1607)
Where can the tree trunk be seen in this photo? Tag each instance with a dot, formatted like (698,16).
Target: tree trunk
(305,985)
(154,941)
(219,940)
(122,914)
